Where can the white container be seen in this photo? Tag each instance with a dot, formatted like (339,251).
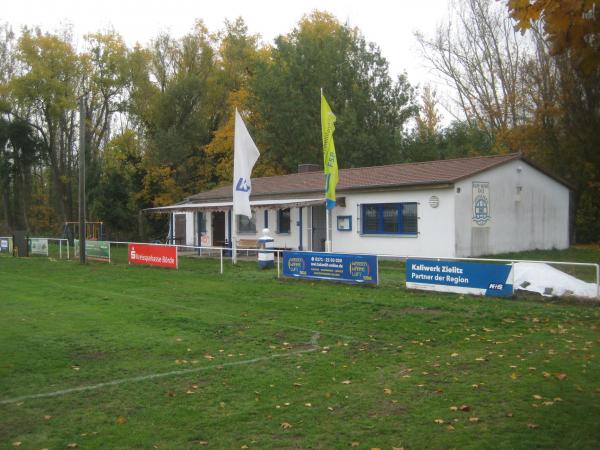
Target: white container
(266,256)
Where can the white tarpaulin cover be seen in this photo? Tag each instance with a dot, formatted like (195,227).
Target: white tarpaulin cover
(549,281)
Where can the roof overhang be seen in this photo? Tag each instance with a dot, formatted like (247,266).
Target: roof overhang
(225,206)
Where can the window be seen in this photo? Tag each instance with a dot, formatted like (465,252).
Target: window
(283,221)
(201,222)
(390,218)
(246,225)
(266,218)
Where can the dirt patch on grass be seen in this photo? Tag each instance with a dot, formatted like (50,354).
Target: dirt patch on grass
(393,313)
(88,356)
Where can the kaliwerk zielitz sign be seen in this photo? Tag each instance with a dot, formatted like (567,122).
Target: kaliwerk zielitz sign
(153,255)
(459,276)
(331,266)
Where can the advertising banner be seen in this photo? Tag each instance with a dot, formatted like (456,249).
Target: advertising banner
(153,255)
(99,250)
(6,245)
(459,276)
(331,266)
(38,246)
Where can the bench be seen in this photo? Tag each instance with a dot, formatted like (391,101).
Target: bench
(247,244)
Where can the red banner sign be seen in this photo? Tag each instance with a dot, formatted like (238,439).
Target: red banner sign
(153,255)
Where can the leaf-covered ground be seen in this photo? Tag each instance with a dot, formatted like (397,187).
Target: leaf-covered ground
(194,359)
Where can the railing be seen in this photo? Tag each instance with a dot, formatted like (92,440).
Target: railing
(227,252)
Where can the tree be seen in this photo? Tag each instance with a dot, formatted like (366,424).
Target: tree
(371,108)
(480,55)
(571,26)
(44,95)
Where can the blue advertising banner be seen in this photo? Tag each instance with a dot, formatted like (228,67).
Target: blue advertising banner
(459,276)
(331,266)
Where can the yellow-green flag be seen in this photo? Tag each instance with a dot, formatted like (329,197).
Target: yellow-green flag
(329,158)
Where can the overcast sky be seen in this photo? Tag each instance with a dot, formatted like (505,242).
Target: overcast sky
(390,24)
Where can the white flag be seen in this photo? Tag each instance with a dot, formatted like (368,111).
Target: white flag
(245,155)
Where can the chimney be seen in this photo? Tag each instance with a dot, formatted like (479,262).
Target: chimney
(303,168)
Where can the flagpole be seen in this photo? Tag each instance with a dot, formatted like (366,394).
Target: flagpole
(233,237)
(327,217)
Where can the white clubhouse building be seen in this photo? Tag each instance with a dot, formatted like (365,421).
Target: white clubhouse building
(454,208)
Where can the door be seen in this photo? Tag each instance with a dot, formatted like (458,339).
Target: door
(218,228)
(180,229)
(319,234)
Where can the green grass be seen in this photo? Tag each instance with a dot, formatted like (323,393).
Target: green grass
(526,368)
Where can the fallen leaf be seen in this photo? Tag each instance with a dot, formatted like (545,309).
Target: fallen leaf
(397,448)
(47,417)
(454,408)
(514,375)
(548,403)
(243,447)
(439,421)
(546,374)
(354,444)
(537,397)
(17,444)
(475,386)
(465,408)
(346,382)
(509,414)
(560,376)
(72,445)
(387,391)
(121,420)
(450,428)
(454,355)
(285,425)
(474,419)
(532,426)
(308,405)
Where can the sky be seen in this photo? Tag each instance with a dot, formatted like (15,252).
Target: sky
(390,24)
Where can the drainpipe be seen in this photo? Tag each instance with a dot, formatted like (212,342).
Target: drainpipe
(300,226)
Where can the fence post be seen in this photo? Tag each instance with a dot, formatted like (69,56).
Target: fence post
(512,281)
(68,256)
(221,261)
(278,253)
(59,249)
(598,280)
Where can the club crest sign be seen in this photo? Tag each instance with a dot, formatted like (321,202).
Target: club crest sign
(481,203)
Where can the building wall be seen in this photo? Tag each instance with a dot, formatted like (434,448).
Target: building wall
(435,225)
(538,218)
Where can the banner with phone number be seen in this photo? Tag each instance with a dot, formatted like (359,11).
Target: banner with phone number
(331,266)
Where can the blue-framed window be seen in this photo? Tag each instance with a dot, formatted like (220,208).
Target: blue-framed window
(390,218)
(283,221)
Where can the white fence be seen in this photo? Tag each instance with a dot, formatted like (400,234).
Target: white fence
(226,252)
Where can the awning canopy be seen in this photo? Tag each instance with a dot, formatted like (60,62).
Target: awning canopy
(225,206)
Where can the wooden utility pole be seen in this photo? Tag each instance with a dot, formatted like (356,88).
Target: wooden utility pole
(82,226)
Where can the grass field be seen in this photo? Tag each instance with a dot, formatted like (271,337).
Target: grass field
(123,357)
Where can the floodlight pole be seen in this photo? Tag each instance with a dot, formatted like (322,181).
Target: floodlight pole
(82,228)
